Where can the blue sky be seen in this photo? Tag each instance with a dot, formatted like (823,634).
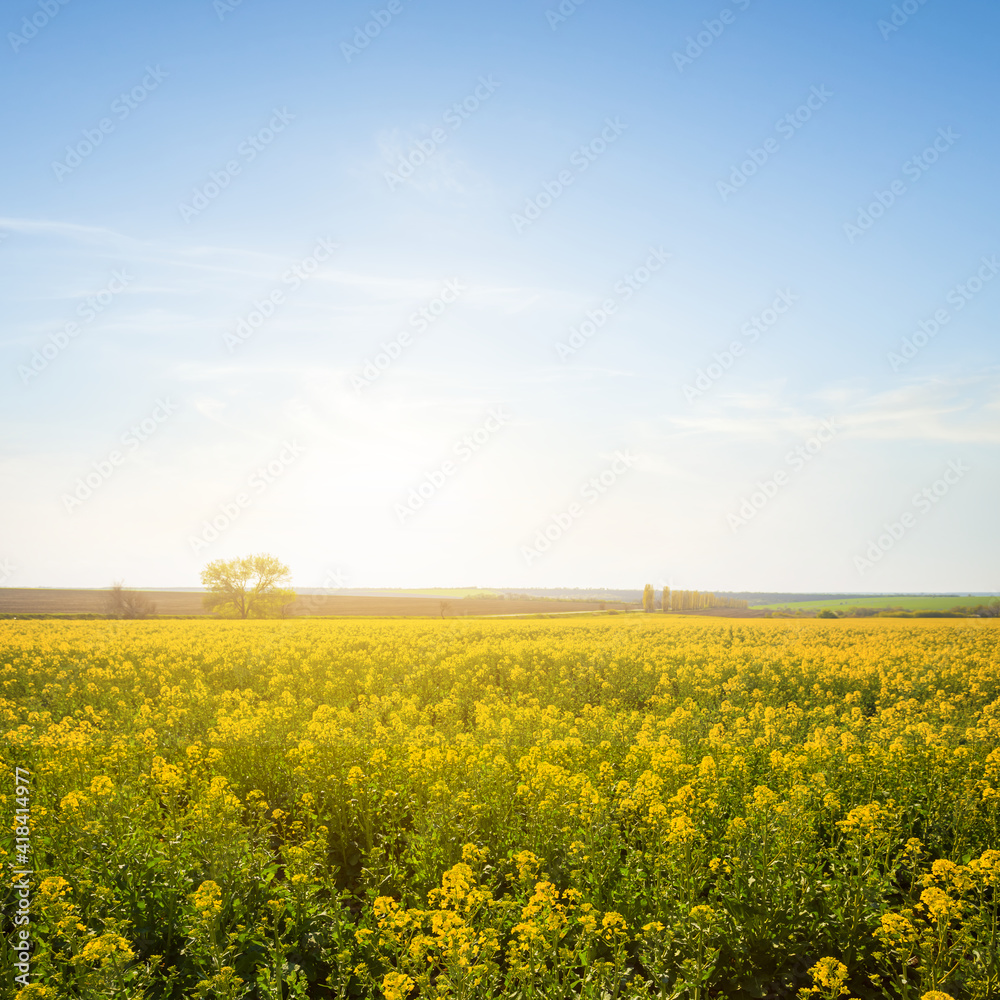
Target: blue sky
(764,235)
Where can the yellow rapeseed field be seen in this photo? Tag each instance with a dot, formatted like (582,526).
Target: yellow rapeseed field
(627,806)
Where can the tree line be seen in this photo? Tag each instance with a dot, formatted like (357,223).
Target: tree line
(687,600)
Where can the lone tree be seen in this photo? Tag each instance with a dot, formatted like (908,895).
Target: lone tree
(123,603)
(247,587)
(648,598)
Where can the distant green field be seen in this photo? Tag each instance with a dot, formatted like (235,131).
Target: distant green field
(907,603)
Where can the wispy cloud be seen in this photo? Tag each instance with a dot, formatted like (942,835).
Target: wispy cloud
(953,410)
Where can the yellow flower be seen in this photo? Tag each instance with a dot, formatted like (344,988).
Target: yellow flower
(207,900)
(613,926)
(51,889)
(473,855)
(940,905)
(101,786)
(255,800)
(830,975)
(682,830)
(396,986)
(72,802)
(527,865)
(103,948)
(35,991)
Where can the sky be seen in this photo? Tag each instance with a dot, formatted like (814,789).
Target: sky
(430,293)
